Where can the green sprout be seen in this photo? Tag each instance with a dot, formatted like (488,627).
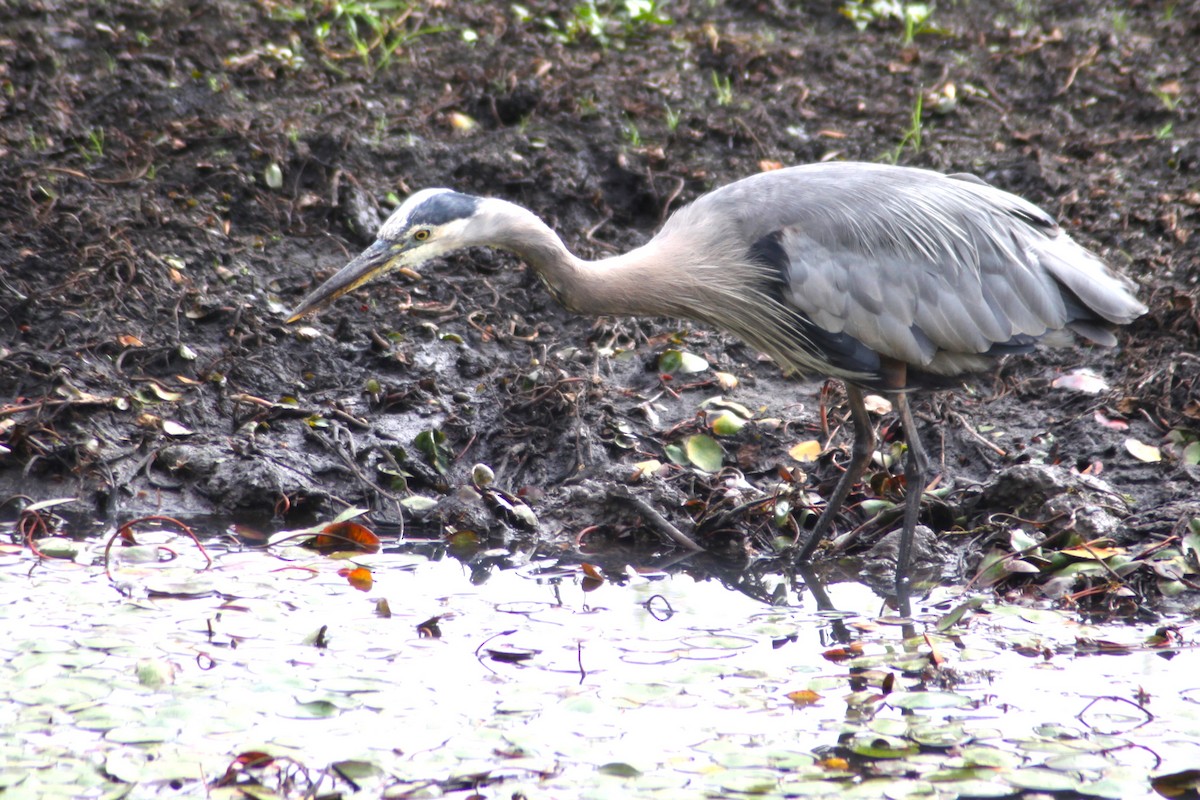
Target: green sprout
(673,118)
(916,18)
(912,136)
(724,88)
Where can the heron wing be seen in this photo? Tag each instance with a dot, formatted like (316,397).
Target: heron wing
(914,264)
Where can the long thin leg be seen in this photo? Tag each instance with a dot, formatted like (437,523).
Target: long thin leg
(916,466)
(860,454)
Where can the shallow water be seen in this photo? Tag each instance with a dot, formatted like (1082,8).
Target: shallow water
(642,685)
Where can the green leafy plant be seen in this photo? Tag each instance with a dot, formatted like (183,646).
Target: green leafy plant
(632,134)
(1120,21)
(673,117)
(724,89)
(609,22)
(916,18)
(93,146)
(912,136)
(371,30)
(432,443)
(1168,97)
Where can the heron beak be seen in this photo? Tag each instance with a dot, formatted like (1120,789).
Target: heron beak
(377,259)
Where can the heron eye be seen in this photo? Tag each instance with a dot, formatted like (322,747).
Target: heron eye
(421,235)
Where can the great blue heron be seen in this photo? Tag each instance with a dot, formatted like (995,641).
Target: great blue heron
(888,278)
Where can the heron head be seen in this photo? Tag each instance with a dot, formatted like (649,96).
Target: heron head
(428,224)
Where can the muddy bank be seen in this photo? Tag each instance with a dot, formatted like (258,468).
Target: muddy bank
(174,180)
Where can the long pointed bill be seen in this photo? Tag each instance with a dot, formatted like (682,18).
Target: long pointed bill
(370,263)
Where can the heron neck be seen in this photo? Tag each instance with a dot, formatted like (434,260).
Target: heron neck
(628,284)
(621,285)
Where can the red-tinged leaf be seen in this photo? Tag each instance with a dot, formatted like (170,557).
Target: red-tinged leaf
(853,650)
(345,536)
(129,340)
(591,571)
(935,656)
(359,577)
(1033,651)
(251,759)
(803,697)
(254,758)
(250,535)
(590,584)
(1168,636)
(1112,423)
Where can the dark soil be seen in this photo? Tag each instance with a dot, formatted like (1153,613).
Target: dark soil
(148,256)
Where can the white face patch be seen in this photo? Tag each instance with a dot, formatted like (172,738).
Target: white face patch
(398,222)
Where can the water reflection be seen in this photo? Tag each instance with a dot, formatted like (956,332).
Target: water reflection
(567,674)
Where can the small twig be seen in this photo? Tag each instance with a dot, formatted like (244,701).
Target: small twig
(28,525)
(1088,59)
(1114,699)
(590,232)
(74,173)
(671,198)
(1096,557)
(583,533)
(484,644)
(661,523)
(974,434)
(128,526)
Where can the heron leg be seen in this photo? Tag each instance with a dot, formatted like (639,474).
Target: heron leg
(860,454)
(916,466)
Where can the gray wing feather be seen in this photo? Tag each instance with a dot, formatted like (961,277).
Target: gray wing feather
(912,262)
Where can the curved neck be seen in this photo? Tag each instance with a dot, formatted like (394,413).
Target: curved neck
(695,269)
(621,285)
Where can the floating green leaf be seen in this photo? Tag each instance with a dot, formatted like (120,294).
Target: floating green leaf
(873,745)
(912,700)
(1043,780)
(620,769)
